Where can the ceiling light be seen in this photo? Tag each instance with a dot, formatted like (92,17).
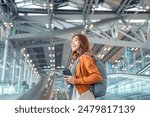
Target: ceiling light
(102,56)
(91,26)
(51,6)
(147,56)
(94,6)
(5,23)
(147,7)
(44,5)
(49,48)
(129,26)
(123,27)
(47,25)
(141,7)
(116,61)
(109,48)
(52,25)
(86,27)
(105,48)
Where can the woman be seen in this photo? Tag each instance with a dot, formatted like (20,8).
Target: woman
(86,72)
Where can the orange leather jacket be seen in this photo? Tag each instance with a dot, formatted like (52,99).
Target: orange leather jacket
(86,73)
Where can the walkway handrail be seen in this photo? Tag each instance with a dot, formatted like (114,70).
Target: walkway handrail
(147,67)
(36,92)
(130,76)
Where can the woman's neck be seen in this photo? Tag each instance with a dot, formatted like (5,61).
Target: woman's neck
(79,52)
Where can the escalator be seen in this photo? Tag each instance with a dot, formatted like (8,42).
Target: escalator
(127,87)
(144,70)
(120,87)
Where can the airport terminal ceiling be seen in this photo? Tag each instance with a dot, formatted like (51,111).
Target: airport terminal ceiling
(42,29)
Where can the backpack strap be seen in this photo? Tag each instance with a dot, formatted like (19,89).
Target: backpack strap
(73,67)
(76,62)
(92,56)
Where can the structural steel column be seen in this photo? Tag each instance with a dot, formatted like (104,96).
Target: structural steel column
(14,68)
(148,33)
(134,58)
(25,68)
(142,57)
(28,75)
(4,63)
(31,78)
(19,78)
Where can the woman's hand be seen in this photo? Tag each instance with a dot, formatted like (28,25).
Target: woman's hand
(70,80)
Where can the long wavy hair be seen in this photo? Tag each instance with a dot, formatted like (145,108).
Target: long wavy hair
(84,46)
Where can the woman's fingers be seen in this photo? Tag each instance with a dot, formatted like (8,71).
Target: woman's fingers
(70,80)
(67,80)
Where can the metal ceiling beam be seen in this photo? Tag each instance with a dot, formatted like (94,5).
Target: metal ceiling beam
(13,7)
(3,12)
(99,34)
(75,13)
(137,36)
(44,11)
(57,42)
(96,16)
(105,34)
(31,28)
(132,38)
(62,20)
(142,34)
(121,6)
(84,7)
(43,35)
(119,43)
(89,7)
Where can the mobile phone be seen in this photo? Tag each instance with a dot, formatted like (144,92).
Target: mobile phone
(67,73)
